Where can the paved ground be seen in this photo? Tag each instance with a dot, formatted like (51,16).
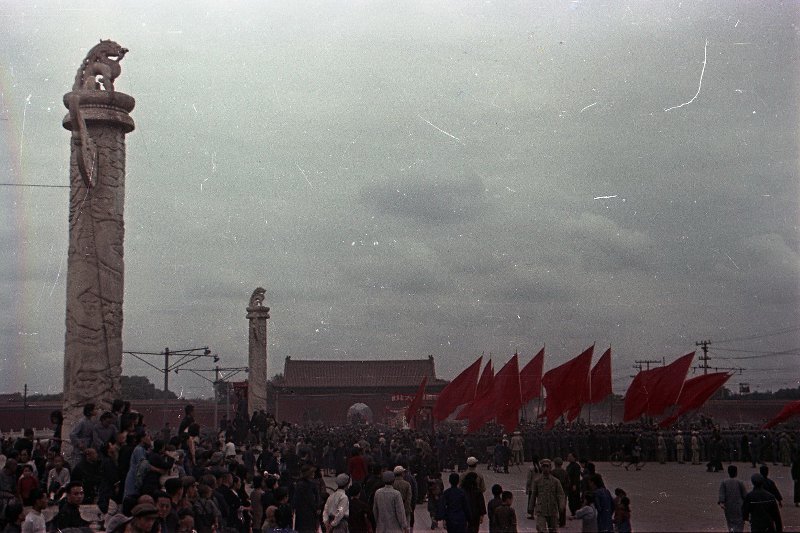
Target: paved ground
(667,497)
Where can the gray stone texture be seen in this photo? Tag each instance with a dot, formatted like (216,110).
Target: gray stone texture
(95,266)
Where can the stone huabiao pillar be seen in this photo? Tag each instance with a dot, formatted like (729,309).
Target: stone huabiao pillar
(98,119)
(258,315)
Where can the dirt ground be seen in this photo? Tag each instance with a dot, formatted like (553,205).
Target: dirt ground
(667,497)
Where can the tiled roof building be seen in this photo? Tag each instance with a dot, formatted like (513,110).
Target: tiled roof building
(316,390)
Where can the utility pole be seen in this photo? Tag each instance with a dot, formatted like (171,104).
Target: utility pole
(184,357)
(647,362)
(704,357)
(25,407)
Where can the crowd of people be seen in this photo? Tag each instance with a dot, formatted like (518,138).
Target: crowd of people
(262,475)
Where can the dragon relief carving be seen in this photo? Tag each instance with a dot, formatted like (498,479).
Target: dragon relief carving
(102,61)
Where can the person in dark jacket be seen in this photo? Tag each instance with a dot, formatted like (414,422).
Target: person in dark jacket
(453,507)
(760,508)
(476,505)
(69,513)
(306,501)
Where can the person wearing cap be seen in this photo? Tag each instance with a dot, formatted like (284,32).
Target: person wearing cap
(337,507)
(388,508)
(679,448)
(144,517)
(695,443)
(472,466)
(760,507)
(517,448)
(547,498)
(404,488)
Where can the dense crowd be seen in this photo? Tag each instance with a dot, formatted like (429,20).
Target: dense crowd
(258,474)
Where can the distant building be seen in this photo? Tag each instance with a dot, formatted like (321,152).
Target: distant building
(326,391)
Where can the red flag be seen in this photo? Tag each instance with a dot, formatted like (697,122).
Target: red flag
(416,402)
(484,387)
(637,395)
(667,384)
(695,393)
(459,391)
(502,400)
(530,378)
(567,386)
(601,378)
(652,391)
(789,410)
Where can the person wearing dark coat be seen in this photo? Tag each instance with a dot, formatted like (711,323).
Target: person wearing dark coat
(306,501)
(760,508)
(360,519)
(453,507)
(69,512)
(476,505)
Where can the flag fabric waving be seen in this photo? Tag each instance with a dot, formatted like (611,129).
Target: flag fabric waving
(503,402)
(566,386)
(667,385)
(459,391)
(484,387)
(416,403)
(652,391)
(600,380)
(789,410)
(530,378)
(695,393)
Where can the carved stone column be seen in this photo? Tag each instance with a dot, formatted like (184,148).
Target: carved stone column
(258,315)
(98,120)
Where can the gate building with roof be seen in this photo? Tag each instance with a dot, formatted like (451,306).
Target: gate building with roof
(324,391)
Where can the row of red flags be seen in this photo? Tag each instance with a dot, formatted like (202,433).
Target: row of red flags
(485,396)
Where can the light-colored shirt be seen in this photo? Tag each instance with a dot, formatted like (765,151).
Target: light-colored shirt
(34,522)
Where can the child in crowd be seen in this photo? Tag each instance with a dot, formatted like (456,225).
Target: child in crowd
(587,513)
(622,519)
(505,518)
(493,504)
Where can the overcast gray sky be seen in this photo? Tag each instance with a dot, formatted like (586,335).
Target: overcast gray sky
(421,177)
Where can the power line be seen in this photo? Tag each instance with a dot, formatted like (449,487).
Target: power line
(34,185)
(761,336)
(758,354)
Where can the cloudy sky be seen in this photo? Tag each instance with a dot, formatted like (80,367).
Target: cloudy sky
(421,177)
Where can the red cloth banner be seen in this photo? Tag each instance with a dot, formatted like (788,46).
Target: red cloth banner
(484,387)
(503,402)
(652,391)
(695,393)
(789,410)
(416,403)
(601,378)
(567,386)
(459,391)
(530,378)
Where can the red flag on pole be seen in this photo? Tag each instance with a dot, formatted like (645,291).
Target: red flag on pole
(789,410)
(652,391)
(695,393)
(667,384)
(530,378)
(567,386)
(601,378)
(416,403)
(484,387)
(504,398)
(459,391)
